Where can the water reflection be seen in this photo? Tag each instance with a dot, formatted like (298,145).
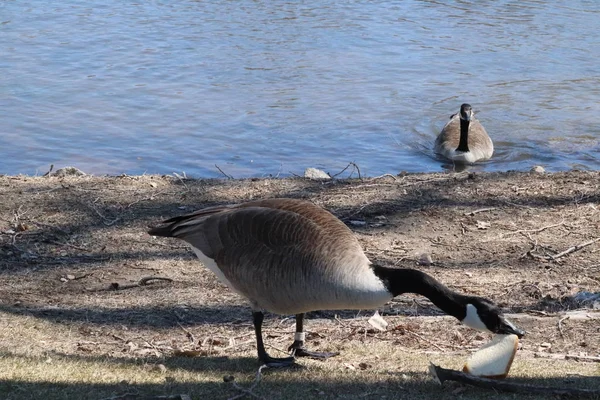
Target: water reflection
(265,88)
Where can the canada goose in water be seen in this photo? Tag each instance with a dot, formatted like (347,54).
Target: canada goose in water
(290,256)
(463,139)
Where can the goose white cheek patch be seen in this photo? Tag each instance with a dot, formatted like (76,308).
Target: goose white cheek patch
(472,319)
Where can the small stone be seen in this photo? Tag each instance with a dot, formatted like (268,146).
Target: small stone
(364,365)
(538,169)
(316,174)
(68,171)
(228,378)
(70,277)
(425,259)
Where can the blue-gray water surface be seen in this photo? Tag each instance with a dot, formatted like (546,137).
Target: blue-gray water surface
(268,88)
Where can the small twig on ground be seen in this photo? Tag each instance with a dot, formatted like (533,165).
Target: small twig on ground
(68,245)
(560,325)
(351,163)
(189,334)
(51,227)
(425,340)
(573,249)
(142,282)
(151,197)
(345,168)
(534,230)
(357,169)
(160,244)
(105,221)
(181,178)
(49,171)
(221,171)
(442,374)
(582,358)
(471,213)
(384,176)
(249,391)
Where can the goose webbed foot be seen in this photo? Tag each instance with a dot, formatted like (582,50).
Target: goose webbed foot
(298,350)
(273,362)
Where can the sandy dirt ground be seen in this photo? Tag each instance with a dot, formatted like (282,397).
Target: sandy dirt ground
(74,251)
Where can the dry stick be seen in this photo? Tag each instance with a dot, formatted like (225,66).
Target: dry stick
(425,340)
(221,171)
(333,176)
(384,176)
(249,391)
(189,334)
(573,249)
(560,325)
(142,282)
(471,213)
(49,171)
(442,374)
(582,358)
(534,230)
(69,245)
(151,197)
(105,220)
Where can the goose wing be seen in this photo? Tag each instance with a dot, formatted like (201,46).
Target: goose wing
(284,255)
(449,137)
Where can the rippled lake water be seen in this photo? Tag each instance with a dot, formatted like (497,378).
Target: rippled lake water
(266,88)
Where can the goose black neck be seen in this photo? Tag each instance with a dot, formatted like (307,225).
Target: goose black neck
(463,144)
(400,281)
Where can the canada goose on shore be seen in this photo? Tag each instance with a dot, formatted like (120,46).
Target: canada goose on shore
(463,139)
(290,256)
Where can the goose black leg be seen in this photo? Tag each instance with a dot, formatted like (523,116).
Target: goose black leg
(257,319)
(298,348)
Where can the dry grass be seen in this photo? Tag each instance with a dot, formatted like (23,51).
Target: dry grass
(75,324)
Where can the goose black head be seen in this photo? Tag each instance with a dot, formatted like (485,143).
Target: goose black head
(483,315)
(466,112)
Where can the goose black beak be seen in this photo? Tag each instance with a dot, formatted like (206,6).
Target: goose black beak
(508,328)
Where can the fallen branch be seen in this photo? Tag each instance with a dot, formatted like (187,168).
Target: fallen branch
(471,213)
(425,340)
(347,166)
(573,249)
(249,391)
(582,358)
(560,325)
(221,171)
(142,282)
(442,374)
(188,334)
(384,176)
(543,228)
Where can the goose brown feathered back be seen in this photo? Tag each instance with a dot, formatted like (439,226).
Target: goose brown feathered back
(285,256)
(291,256)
